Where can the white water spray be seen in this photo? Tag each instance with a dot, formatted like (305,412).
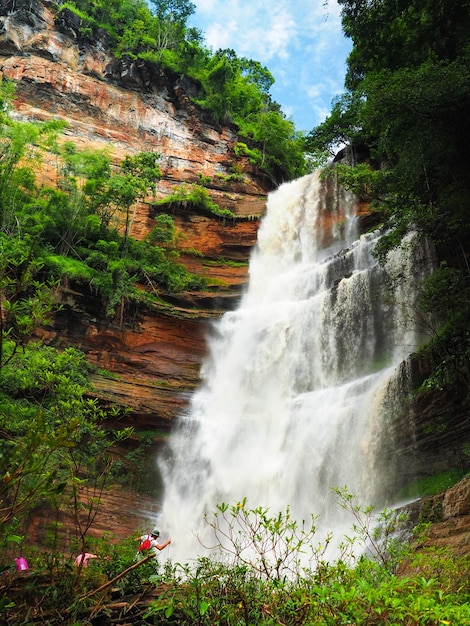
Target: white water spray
(289,406)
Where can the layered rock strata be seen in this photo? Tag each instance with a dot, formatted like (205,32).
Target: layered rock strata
(128,107)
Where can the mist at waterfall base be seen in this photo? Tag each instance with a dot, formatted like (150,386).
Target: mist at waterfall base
(294,384)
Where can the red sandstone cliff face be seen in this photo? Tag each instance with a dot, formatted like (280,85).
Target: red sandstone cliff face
(449,513)
(125,107)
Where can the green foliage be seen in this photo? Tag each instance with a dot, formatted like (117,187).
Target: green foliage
(362,180)
(164,230)
(342,126)
(25,303)
(227,94)
(270,546)
(445,296)
(432,588)
(38,371)
(384,534)
(405,109)
(50,431)
(254,154)
(244,591)
(117,556)
(53,450)
(234,177)
(281,149)
(432,485)
(143,167)
(398,33)
(80,231)
(204,180)
(64,266)
(408,92)
(20,151)
(87,176)
(194,197)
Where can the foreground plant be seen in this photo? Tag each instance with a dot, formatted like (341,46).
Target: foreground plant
(430,586)
(383,536)
(261,581)
(275,547)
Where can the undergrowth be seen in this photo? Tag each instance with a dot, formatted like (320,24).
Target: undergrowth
(258,574)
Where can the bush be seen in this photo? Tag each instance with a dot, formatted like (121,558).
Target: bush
(195,197)
(263,590)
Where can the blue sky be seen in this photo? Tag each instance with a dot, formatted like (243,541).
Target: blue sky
(299,41)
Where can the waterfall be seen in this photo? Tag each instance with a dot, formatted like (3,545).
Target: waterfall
(290,401)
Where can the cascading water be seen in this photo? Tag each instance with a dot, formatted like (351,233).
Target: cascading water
(289,407)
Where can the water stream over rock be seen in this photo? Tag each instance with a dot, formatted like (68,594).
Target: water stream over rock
(291,403)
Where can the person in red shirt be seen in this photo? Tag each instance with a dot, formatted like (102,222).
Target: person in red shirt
(150,542)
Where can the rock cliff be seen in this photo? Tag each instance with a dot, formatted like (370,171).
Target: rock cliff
(128,107)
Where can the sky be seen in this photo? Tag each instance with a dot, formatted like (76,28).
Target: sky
(299,41)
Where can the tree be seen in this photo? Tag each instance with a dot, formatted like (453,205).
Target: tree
(170,24)
(408,92)
(341,127)
(21,147)
(257,74)
(282,148)
(88,176)
(25,302)
(177,11)
(398,33)
(52,446)
(164,230)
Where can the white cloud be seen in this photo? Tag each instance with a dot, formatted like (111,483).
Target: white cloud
(313,91)
(221,36)
(321,113)
(248,27)
(288,112)
(205,6)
